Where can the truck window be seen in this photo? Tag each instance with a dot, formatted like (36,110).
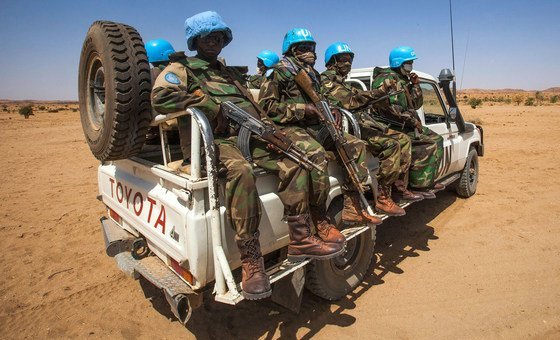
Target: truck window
(434,111)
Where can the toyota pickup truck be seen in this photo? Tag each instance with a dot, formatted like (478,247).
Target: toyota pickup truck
(168,223)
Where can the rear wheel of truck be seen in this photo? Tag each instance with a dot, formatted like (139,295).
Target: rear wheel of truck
(114,88)
(466,186)
(335,278)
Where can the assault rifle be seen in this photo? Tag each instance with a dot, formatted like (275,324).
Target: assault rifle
(250,124)
(326,116)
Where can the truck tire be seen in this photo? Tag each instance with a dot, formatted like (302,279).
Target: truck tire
(466,186)
(114,88)
(335,278)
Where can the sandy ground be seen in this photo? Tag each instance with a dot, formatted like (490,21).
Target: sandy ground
(485,267)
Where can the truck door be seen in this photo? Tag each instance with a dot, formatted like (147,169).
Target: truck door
(436,118)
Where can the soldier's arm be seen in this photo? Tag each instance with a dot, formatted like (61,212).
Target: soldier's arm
(170,92)
(269,99)
(417,97)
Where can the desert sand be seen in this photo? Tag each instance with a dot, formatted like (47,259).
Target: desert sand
(483,267)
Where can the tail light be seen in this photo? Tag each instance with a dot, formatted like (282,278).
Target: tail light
(185,274)
(116,217)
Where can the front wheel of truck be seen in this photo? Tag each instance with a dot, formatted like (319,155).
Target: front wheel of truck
(466,186)
(335,278)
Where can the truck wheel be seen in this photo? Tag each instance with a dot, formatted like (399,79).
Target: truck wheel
(466,186)
(335,278)
(114,88)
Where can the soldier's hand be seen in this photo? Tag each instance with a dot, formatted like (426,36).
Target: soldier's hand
(311,111)
(337,117)
(414,78)
(273,147)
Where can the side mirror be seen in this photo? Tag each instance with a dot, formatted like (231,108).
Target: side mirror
(446,75)
(453,113)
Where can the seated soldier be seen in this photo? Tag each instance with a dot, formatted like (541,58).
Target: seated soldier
(203,82)
(265,61)
(287,104)
(427,146)
(390,146)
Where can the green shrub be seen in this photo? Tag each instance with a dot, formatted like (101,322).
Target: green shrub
(554,99)
(474,102)
(42,108)
(530,101)
(26,111)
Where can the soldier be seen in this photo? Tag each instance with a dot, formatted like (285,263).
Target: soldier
(203,82)
(158,51)
(391,147)
(287,105)
(265,61)
(427,146)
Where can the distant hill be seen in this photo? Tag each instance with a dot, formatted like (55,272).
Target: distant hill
(504,91)
(33,101)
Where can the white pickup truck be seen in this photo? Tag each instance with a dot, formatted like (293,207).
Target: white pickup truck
(170,226)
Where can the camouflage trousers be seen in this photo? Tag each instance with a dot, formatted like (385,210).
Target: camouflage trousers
(298,188)
(427,151)
(394,152)
(357,151)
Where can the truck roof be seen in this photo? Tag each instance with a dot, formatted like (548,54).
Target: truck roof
(367,71)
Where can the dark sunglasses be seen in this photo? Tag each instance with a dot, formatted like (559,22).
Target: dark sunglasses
(305,47)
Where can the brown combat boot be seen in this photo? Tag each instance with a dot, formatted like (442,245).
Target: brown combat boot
(326,230)
(353,212)
(386,205)
(303,245)
(403,194)
(254,282)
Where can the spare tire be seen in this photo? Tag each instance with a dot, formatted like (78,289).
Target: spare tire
(114,88)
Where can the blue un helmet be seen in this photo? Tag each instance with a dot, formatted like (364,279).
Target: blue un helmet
(295,36)
(204,23)
(401,54)
(158,50)
(337,48)
(268,58)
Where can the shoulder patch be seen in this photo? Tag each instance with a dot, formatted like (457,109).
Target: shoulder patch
(172,78)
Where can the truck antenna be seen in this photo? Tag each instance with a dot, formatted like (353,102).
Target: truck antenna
(453,52)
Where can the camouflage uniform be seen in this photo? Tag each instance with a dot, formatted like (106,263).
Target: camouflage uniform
(192,83)
(427,147)
(391,147)
(285,104)
(255,81)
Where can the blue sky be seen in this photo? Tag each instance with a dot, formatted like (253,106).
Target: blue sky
(498,44)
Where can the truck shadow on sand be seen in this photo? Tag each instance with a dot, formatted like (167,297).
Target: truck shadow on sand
(397,240)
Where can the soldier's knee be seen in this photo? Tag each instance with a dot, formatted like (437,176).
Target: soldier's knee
(240,169)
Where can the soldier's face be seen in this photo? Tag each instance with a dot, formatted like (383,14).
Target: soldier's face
(210,45)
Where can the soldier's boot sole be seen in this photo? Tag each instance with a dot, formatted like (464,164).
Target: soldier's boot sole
(303,257)
(256,296)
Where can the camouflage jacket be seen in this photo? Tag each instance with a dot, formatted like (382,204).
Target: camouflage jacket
(403,105)
(341,94)
(282,98)
(255,81)
(192,83)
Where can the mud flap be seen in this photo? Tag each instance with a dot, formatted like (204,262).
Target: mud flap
(288,291)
